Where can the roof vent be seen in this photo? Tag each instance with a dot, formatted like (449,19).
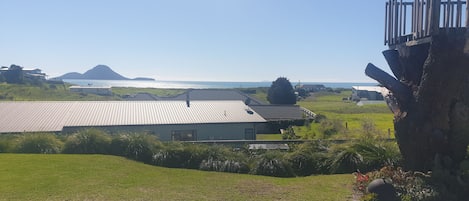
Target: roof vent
(249,111)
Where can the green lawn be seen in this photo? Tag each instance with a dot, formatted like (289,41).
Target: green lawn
(61,92)
(154,91)
(99,177)
(269,137)
(46,92)
(333,107)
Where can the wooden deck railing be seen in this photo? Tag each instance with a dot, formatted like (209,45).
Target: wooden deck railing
(407,21)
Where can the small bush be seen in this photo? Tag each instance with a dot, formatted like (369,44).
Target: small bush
(172,155)
(345,159)
(222,159)
(140,147)
(88,141)
(6,144)
(289,134)
(272,163)
(309,158)
(39,143)
(409,185)
(365,154)
(331,127)
(224,166)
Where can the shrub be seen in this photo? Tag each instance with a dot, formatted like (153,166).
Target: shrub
(345,159)
(272,163)
(365,154)
(88,141)
(176,155)
(376,154)
(319,118)
(409,185)
(39,143)
(140,147)
(289,134)
(222,159)
(331,127)
(309,158)
(227,165)
(7,144)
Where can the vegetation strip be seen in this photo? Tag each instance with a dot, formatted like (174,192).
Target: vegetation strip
(99,177)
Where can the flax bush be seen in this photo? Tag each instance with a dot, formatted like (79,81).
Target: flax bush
(273,163)
(172,155)
(222,159)
(136,146)
(363,154)
(88,141)
(309,158)
(39,143)
(7,144)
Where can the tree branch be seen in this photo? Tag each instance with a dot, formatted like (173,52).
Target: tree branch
(400,91)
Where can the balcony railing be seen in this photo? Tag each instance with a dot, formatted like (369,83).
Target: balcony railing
(407,21)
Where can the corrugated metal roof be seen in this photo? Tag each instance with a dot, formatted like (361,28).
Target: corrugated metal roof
(214,95)
(378,89)
(36,116)
(279,112)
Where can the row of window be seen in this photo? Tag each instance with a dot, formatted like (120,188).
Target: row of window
(191,135)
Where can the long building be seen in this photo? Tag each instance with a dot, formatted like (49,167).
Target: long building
(169,120)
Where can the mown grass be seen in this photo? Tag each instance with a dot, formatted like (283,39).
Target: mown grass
(158,92)
(261,94)
(61,92)
(269,137)
(45,92)
(332,105)
(99,177)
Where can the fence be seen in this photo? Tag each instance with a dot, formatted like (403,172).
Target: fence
(426,19)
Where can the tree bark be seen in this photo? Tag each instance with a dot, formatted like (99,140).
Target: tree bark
(433,119)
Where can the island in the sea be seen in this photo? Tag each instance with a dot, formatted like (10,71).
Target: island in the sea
(99,72)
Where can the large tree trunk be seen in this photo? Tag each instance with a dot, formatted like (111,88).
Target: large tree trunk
(430,99)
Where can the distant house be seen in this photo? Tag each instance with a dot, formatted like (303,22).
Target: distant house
(282,116)
(18,74)
(168,120)
(369,93)
(104,91)
(3,69)
(311,87)
(35,74)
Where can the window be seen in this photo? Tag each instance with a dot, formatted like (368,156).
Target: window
(184,135)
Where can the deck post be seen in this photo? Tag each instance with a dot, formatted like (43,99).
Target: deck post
(458,13)
(435,16)
(396,21)
(467,16)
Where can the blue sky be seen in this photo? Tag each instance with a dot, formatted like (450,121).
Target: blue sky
(206,40)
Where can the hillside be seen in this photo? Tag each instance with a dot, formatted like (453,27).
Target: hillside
(99,72)
(99,177)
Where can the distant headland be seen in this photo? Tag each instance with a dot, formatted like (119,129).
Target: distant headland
(99,72)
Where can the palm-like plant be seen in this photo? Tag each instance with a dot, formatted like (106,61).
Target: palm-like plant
(365,155)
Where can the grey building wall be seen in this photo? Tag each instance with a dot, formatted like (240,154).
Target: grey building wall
(227,131)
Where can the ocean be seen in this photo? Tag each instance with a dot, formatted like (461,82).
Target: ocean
(198,84)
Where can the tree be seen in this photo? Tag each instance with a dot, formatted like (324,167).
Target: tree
(281,92)
(14,74)
(430,102)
